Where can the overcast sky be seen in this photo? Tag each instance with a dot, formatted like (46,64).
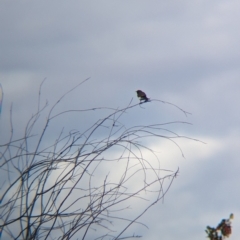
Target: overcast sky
(183,52)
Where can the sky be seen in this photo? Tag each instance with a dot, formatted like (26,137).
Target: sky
(183,52)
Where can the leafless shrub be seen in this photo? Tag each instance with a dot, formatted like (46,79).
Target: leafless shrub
(83,184)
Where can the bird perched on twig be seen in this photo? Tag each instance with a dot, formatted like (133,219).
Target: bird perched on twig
(142,96)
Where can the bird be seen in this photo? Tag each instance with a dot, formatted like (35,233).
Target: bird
(142,95)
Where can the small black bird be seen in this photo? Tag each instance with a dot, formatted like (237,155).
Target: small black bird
(142,95)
